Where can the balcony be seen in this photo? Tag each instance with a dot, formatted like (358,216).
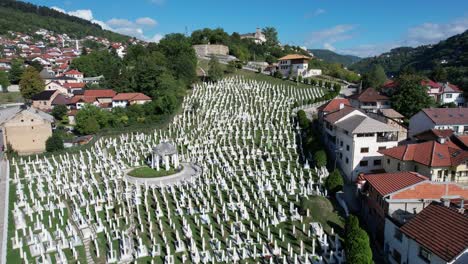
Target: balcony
(387,137)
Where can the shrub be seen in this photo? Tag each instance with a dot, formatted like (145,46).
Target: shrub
(54,143)
(334,182)
(320,158)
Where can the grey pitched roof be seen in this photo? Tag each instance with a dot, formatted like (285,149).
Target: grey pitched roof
(364,124)
(9,112)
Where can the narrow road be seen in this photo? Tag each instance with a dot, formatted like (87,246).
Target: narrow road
(3,208)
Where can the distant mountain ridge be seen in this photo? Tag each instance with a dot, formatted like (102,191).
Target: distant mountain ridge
(451,55)
(330,56)
(24,17)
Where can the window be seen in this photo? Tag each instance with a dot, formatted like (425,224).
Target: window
(22,120)
(399,166)
(365,135)
(396,256)
(398,235)
(363,163)
(382,148)
(347,147)
(425,254)
(415,168)
(388,161)
(455,128)
(448,96)
(377,162)
(341,143)
(364,150)
(32,120)
(347,160)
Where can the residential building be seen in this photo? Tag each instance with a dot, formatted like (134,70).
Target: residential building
(103,96)
(75,74)
(331,106)
(293,65)
(355,139)
(25,129)
(442,93)
(440,160)
(376,190)
(258,37)
(455,119)
(54,85)
(126,99)
(370,100)
(437,235)
(400,196)
(43,100)
(451,94)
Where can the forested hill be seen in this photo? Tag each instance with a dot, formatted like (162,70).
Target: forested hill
(448,58)
(330,56)
(27,18)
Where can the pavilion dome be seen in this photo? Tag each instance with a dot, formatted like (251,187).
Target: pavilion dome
(165,149)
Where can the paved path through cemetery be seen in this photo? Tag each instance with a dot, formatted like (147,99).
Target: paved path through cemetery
(3,210)
(186,174)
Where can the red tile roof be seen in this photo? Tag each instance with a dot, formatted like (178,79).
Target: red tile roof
(334,105)
(105,93)
(74,85)
(430,83)
(432,190)
(430,153)
(369,95)
(439,229)
(73,72)
(433,134)
(387,183)
(447,116)
(131,97)
(81,98)
(337,115)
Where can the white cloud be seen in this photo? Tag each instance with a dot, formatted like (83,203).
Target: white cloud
(119,22)
(424,34)
(82,13)
(329,46)
(119,25)
(156,38)
(315,13)
(146,21)
(329,36)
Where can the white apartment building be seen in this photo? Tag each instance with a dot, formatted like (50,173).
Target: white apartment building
(355,139)
(455,119)
(295,65)
(450,93)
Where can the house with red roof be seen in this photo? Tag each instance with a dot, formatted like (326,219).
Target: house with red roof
(370,100)
(354,139)
(441,160)
(451,94)
(455,119)
(442,93)
(438,234)
(126,99)
(75,74)
(103,96)
(375,190)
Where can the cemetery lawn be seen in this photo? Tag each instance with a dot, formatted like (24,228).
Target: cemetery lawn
(147,172)
(11,97)
(325,211)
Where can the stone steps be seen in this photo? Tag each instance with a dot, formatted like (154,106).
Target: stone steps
(87,246)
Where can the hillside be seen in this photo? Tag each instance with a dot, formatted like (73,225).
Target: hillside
(27,18)
(450,55)
(330,56)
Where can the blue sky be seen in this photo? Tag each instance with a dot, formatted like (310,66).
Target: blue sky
(359,27)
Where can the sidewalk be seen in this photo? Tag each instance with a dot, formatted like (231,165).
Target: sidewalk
(3,210)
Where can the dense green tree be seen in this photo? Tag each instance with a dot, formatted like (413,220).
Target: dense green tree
(439,74)
(411,96)
(54,143)
(31,83)
(215,71)
(37,65)
(90,119)
(16,71)
(334,182)
(302,119)
(59,112)
(357,246)
(320,158)
(375,78)
(4,81)
(271,35)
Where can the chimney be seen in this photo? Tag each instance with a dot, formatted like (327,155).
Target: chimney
(341,106)
(441,140)
(462,206)
(445,201)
